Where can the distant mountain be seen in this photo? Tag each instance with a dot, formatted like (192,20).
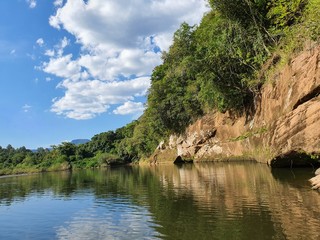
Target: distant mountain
(80,141)
(75,142)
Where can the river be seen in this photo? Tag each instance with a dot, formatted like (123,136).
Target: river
(193,201)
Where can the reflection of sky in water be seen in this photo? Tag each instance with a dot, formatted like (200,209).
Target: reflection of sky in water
(111,219)
(80,217)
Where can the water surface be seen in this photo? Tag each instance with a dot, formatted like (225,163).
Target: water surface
(201,201)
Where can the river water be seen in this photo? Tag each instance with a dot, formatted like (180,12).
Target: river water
(200,201)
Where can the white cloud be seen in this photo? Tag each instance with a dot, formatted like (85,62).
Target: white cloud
(58,3)
(98,23)
(26,108)
(49,53)
(126,63)
(48,79)
(12,52)
(40,42)
(130,108)
(32,3)
(64,42)
(114,47)
(86,99)
(61,46)
(63,67)
(58,49)
(54,21)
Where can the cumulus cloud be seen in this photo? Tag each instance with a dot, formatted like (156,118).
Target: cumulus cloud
(32,3)
(58,49)
(58,3)
(49,52)
(98,22)
(132,108)
(125,63)
(88,98)
(63,67)
(121,41)
(40,42)
(61,46)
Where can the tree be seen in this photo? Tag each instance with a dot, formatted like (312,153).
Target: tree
(67,149)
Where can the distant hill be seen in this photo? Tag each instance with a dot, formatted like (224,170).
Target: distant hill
(80,141)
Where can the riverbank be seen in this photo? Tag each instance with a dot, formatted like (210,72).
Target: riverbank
(21,169)
(281,130)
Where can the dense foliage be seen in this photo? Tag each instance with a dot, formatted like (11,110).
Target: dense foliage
(215,66)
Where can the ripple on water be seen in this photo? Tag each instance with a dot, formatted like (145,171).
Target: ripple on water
(114,218)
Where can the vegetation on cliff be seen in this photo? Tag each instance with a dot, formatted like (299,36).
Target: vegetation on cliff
(216,66)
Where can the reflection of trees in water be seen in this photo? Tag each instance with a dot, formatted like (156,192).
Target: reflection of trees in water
(220,212)
(198,201)
(126,181)
(283,198)
(18,188)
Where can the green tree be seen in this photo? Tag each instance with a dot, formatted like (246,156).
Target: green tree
(284,13)
(67,149)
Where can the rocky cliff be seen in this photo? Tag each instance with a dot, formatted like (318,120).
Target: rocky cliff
(282,130)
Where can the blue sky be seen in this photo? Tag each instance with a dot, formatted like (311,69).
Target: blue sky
(71,68)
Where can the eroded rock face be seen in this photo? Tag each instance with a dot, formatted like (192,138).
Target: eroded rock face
(286,122)
(315,182)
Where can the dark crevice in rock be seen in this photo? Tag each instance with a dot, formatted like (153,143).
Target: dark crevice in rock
(314,93)
(180,160)
(294,159)
(197,148)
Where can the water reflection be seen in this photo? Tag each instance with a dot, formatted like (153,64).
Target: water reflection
(113,221)
(247,201)
(201,201)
